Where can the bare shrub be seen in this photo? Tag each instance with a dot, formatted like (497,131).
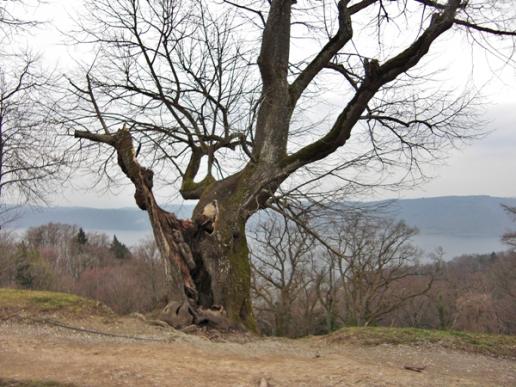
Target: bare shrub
(7,258)
(477,312)
(124,287)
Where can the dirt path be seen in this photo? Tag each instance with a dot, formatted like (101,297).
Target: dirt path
(40,353)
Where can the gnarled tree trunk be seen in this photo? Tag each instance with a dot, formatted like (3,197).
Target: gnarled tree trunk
(207,259)
(223,273)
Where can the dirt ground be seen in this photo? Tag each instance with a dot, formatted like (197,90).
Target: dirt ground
(39,352)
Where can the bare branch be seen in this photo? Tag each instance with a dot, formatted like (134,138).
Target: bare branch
(488,30)
(249,9)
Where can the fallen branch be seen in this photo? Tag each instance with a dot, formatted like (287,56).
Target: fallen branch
(414,368)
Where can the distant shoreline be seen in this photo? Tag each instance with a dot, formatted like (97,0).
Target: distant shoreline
(459,224)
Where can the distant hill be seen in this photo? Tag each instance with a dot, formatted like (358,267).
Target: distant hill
(460,224)
(124,219)
(462,216)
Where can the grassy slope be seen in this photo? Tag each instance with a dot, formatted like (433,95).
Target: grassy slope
(31,302)
(487,344)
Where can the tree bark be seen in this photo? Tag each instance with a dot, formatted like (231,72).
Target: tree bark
(167,229)
(223,271)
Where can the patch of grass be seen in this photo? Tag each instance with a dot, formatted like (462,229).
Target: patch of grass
(35,302)
(487,344)
(32,383)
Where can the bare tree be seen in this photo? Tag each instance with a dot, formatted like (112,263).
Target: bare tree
(504,276)
(147,253)
(29,153)
(509,238)
(31,157)
(7,258)
(281,254)
(327,286)
(230,122)
(361,268)
(374,259)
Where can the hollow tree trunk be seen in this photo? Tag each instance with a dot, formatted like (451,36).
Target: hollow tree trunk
(208,265)
(223,272)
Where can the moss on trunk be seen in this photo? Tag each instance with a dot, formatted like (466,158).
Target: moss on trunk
(223,271)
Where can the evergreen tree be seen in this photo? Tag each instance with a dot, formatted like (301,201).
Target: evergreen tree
(32,272)
(119,250)
(82,239)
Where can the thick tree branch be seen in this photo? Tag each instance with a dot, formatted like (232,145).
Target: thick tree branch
(376,77)
(274,53)
(189,188)
(95,137)
(432,3)
(360,6)
(167,229)
(275,109)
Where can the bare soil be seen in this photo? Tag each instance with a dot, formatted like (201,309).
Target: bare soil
(36,352)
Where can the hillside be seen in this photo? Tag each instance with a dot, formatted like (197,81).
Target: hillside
(460,224)
(461,216)
(69,345)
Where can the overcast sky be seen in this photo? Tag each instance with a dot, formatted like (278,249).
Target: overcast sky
(485,167)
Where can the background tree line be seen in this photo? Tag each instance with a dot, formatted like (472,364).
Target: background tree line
(63,257)
(363,272)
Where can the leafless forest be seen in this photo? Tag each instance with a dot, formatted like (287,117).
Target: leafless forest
(366,274)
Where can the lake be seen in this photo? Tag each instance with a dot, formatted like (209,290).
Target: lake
(453,246)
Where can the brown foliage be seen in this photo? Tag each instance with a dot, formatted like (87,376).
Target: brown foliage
(297,285)
(50,258)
